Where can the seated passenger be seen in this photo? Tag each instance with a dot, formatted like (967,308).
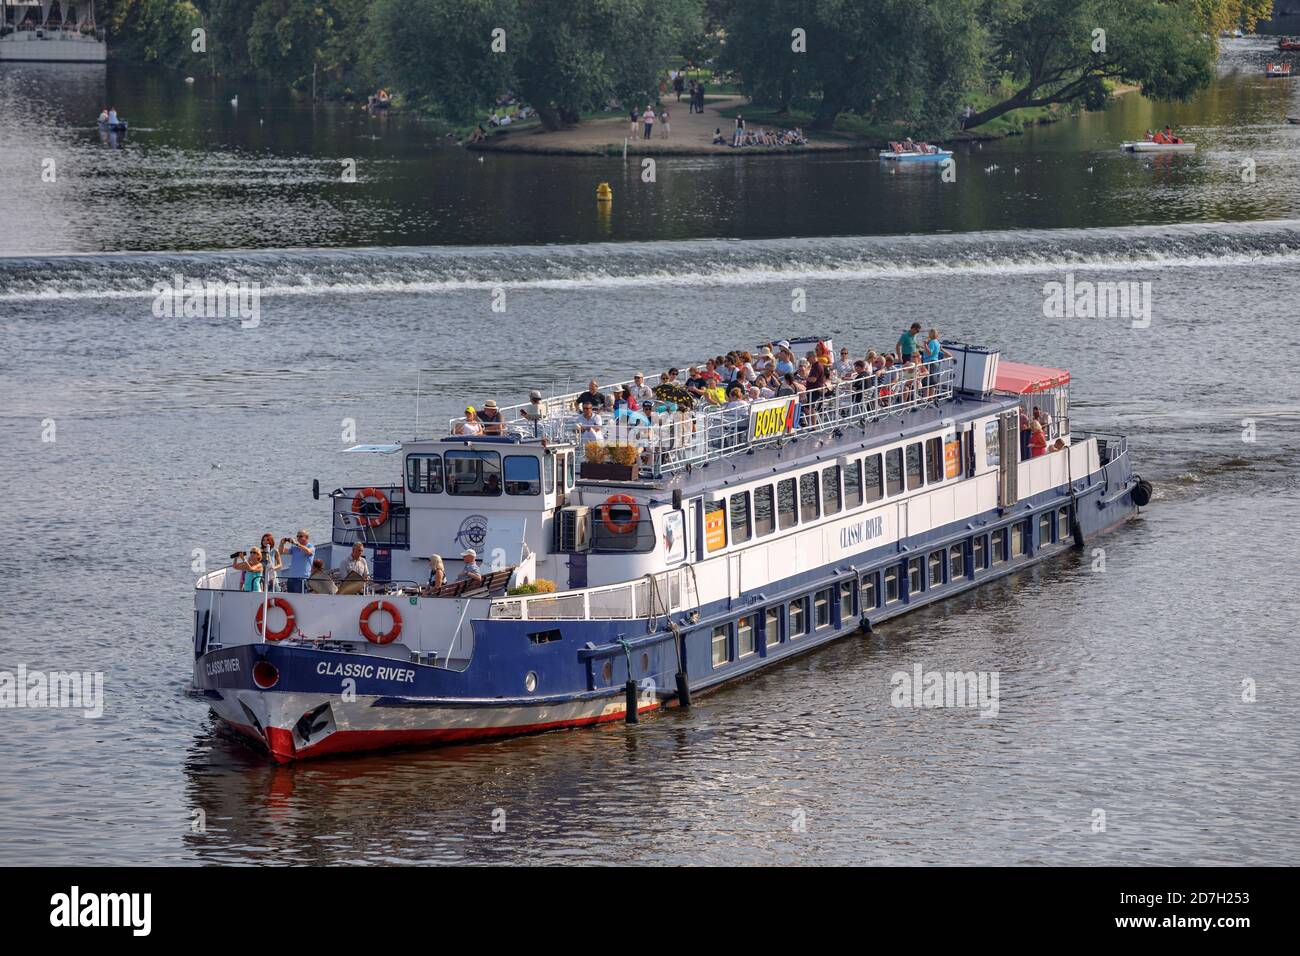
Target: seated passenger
(471,571)
(592,396)
(471,425)
(1037,440)
(320,582)
(590,424)
(490,417)
(533,411)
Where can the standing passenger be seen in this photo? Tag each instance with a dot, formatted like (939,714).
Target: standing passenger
(299,565)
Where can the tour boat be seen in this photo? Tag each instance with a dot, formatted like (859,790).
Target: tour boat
(905,156)
(1277,70)
(29,35)
(1148,146)
(1288,43)
(685,552)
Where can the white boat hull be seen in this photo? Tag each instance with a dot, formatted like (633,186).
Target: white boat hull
(1148,147)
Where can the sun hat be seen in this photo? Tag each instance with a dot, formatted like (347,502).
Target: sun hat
(470,552)
(490,403)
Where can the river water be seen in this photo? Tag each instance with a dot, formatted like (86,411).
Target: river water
(1155,681)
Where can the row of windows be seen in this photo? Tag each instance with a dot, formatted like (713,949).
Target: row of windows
(794,501)
(732,642)
(924,572)
(483,473)
(879,588)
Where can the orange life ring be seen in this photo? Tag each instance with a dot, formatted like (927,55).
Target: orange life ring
(370,635)
(620,527)
(359,501)
(290,622)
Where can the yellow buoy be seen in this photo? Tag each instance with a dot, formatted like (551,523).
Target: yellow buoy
(604,193)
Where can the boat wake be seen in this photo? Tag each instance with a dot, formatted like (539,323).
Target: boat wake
(741,262)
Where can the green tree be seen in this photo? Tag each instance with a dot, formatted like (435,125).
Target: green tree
(901,59)
(151,31)
(562,56)
(1061,51)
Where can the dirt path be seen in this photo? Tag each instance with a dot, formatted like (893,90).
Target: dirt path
(690,133)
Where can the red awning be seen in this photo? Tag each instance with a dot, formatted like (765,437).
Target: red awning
(1020,379)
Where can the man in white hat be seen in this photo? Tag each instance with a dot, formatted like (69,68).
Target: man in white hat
(471,571)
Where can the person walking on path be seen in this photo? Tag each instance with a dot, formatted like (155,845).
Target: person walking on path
(648,117)
(663,119)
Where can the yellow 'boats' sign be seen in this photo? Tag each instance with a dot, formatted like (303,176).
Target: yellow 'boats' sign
(776,416)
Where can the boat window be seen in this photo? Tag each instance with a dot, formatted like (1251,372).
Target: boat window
(822,607)
(831,489)
(764,511)
(871,487)
(1017,539)
(523,475)
(715,525)
(953,460)
(893,471)
(808,497)
(853,484)
(798,617)
(934,460)
(915,478)
(785,504)
(424,474)
(891,584)
(915,580)
(867,597)
(745,644)
(846,599)
(1045,523)
(1063,524)
(998,546)
(936,568)
(721,644)
(992,450)
(956,562)
(740,517)
(473,473)
(980,551)
(772,625)
(568,470)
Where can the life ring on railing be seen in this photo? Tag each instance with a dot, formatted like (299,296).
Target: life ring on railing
(388,637)
(359,502)
(290,622)
(620,527)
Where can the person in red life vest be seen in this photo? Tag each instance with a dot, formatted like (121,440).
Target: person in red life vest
(1037,440)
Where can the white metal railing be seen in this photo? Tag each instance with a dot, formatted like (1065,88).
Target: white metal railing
(674,440)
(611,602)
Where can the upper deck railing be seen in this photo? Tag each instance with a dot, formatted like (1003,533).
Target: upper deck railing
(671,440)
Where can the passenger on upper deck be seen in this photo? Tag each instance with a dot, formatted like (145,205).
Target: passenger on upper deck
(907,344)
(1037,440)
(320,582)
(590,424)
(471,425)
(642,392)
(1044,419)
(490,416)
(592,396)
(252,568)
(533,411)
(471,571)
(271,562)
(437,573)
(300,553)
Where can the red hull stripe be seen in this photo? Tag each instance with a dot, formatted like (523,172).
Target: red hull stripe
(280,741)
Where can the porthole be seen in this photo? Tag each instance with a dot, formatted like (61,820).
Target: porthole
(530,681)
(607,672)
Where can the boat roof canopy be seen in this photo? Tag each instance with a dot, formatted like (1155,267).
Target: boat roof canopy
(381,449)
(1020,379)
